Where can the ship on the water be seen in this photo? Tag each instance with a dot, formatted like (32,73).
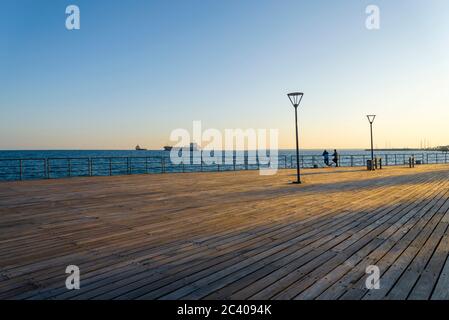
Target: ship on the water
(138,148)
(193,147)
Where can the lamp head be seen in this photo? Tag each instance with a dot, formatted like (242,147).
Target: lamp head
(371,117)
(295,98)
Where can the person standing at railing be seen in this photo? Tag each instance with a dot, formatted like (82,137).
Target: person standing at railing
(326,157)
(335,157)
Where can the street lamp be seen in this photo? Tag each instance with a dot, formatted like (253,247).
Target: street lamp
(371,118)
(295,99)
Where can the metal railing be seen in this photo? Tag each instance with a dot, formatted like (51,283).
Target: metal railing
(49,168)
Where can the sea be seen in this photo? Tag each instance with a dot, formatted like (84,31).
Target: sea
(39,164)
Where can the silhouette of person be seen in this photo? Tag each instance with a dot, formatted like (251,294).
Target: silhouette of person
(326,157)
(335,157)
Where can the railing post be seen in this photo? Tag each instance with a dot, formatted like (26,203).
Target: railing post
(386,160)
(427,156)
(352,160)
(411,161)
(395,159)
(20,166)
(90,166)
(47,168)
(201,160)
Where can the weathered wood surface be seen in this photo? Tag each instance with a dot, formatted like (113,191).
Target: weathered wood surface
(229,235)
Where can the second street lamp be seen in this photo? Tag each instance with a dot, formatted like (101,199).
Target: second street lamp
(295,99)
(371,118)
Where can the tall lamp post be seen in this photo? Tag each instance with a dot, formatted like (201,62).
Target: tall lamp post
(371,118)
(295,99)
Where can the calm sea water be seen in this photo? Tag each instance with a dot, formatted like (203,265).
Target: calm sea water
(38,164)
(26,154)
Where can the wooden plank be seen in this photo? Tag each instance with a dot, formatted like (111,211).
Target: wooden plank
(400,241)
(226,235)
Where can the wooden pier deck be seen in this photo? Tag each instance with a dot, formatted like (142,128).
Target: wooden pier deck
(229,235)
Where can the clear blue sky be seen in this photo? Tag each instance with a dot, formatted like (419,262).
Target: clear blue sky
(138,69)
